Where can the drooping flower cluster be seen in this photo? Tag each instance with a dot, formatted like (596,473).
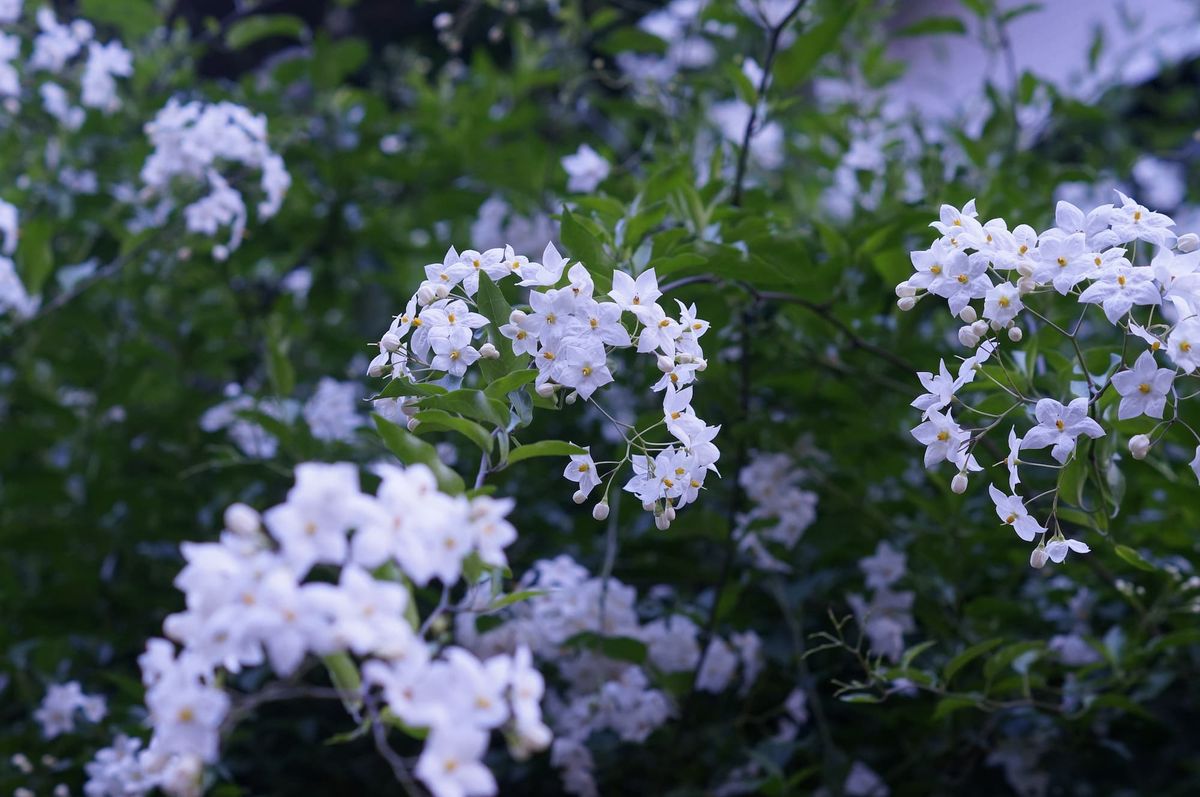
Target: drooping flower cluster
(192,141)
(569,335)
(251,599)
(62,703)
(1024,277)
(604,692)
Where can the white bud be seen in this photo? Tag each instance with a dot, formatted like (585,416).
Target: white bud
(683,359)
(980,328)
(701,363)
(959,483)
(412,424)
(665,364)
(425,295)
(662,522)
(579,497)
(242,520)
(1038,558)
(517,316)
(904,289)
(441,291)
(967,337)
(1026,285)
(906,303)
(600,511)
(489,352)
(648,506)
(669,513)
(378,369)
(1188,242)
(1015,334)
(390,342)
(546,389)
(968,314)
(1139,446)
(572,397)
(1025,269)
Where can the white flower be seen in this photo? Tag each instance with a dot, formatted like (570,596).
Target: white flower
(453,352)
(105,61)
(586,169)
(1195,463)
(1058,426)
(942,437)
(450,764)
(1143,388)
(1132,221)
(1002,303)
(1063,261)
(635,295)
(1057,549)
(1120,288)
(1183,344)
(582,470)
(964,279)
(1011,510)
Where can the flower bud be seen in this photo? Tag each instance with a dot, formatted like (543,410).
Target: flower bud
(579,497)
(665,364)
(600,511)
(489,352)
(701,363)
(1139,446)
(425,294)
(904,289)
(1188,242)
(572,397)
(906,303)
(517,316)
(661,522)
(967,337)
(412,424)
(441,291)
(648,506)
(242,520)
(959,483)
(1038,558)
(669,513)
(980,328)
(968,314)
(546,389)
(1025,269)
(684,359)
(1026,285)
(390,342)
(1015,334)
(378,369)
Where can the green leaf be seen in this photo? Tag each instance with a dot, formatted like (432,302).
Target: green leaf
(495,307)
(343,672)
(1134,558)
(934,26)
(585,247)
(948,705)
(279,367)
(499,388)
(35,257)
(263,26)
(400,386)
(439,420)
(1006,655)
(796,62)
(471,403)
(914,651)
(860,697)
(544,448)
(515,597)
(967,656)
(620,648)
(412,450)
(133,18)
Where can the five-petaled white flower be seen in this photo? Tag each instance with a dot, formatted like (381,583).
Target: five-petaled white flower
(1143,388)
(1058,426)
(1011,510)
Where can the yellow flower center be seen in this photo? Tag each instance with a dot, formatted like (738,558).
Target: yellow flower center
(1137,216)
(943,436)
(962,278)
(1024,248)
(1060,424)
(1003,301)
(454,354)
(1062,262)
(587,370)
(1010,519)
(1121,280)
(1144,388)
(935,269)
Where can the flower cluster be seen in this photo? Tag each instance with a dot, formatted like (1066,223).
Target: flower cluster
(781,508)
(887,614)
(602,692)
(1021,277)
(191,141)
(251,599)
(62,702)
(569,334)
(56,49)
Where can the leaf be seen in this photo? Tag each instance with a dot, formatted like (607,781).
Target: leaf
(914,651)
(262,26)
(860,697)
(948,705)
(796,62)
(343,672)
(1134,558)
(279,368)
(515,597)
(620,648)
(412,450)
(471,403)
(967,656)
(440,420)
(133,18)
(931,26)
(499,388)
(585,247)
(400,386)
(495,307)
(1006,655)
(544,448)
